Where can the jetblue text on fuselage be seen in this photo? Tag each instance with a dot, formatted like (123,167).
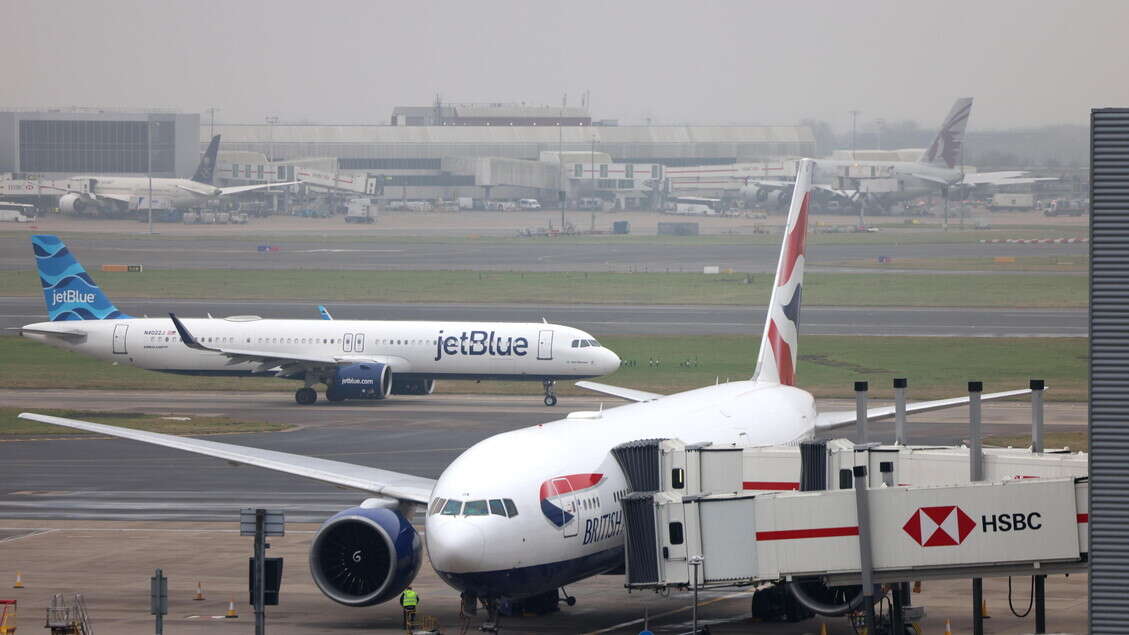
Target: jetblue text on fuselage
(479,343)
(71,295)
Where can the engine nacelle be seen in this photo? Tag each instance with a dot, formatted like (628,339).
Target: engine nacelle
(365,556)
(73,204)
(413,386)
(368,380)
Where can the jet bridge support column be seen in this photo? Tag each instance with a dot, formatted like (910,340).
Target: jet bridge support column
(862,507)
(900,384)
(976,473)
(861,387)
(1039,581)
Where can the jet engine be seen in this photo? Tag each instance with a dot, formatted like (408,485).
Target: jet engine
(73,204)
(365,556)
(368,380)
(767,196)
(413,386)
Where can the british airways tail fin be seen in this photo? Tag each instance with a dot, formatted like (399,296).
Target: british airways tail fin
(945,149)
(207,168)
(776,362)
(69,292)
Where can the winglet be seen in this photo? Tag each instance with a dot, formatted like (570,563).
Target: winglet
(185,336)
(324,312)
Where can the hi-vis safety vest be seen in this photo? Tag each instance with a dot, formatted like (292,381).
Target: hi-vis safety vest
(410,598)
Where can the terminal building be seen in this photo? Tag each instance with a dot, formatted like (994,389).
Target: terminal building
(479,151)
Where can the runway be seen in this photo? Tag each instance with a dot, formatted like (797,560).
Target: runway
(390,253)
(603,320)
(107,479)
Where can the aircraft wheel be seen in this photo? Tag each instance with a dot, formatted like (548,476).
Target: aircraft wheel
(550,400)
(333,394)
(305,396)
(570,600)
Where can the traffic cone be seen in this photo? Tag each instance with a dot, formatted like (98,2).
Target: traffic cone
(231,609)
(19,581)
(199,591)
(948,628)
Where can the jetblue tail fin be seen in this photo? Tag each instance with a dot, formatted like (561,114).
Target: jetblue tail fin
(69,292)
(776,362)
(945,149)
(207,168)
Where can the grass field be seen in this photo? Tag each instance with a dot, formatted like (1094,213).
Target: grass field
(13,427)
(828,289)
(1077,441)
(1076,263)
(936,367)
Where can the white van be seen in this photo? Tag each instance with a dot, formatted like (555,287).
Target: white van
(16,212)
(529,203)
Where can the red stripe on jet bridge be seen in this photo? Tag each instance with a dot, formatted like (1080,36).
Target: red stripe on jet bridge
(771,485)
(797,534)
(1083,518)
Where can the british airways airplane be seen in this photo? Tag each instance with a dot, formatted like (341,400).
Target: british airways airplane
(353,359)
(521,514)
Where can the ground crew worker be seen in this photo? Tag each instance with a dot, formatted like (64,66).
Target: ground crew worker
(409,600)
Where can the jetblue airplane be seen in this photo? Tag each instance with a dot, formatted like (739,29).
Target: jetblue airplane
(353,359)
(523,513)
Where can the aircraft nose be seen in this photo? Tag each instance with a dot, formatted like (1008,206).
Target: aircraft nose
(609,362)
(455,546)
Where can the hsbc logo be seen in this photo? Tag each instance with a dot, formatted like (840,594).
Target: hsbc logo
(942,526)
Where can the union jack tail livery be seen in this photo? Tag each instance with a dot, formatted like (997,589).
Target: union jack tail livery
(776,362)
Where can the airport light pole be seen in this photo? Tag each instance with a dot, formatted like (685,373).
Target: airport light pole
(271,120)
(149,170)
(212,125)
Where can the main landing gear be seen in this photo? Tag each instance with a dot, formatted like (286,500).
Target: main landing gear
(550,392)
(305,396)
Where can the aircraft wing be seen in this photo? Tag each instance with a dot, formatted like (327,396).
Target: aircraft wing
(629,394)
(932,179)
(235,189)
(404,487)
(1003,178)
(832,420)
(269,359)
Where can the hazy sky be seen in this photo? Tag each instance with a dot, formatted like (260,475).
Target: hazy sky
(1026,63)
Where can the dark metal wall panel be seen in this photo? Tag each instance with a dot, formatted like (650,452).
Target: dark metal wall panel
(1109,370)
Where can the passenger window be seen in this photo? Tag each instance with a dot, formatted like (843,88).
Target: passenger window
(678,478)
(675,533)
(496,507)
(452,508)
(437,505)
(475,508)
(511,509)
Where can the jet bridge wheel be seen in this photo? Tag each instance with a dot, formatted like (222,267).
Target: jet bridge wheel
(305,396)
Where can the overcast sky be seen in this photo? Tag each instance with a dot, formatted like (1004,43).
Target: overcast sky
(1025,63)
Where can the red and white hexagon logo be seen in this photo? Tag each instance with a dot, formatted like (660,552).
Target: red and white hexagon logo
(943,526)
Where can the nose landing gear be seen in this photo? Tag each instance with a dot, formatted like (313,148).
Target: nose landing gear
(550,392)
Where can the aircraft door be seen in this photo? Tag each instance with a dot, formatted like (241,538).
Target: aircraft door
(562,489)
(119,338)
(545,345)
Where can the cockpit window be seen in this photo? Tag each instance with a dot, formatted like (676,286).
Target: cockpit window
(593,342)
(452,508)
(475,508)
(575,343)
(437,505)
(496,507)
(511,509)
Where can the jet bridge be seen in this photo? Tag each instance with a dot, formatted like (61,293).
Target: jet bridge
(744,516)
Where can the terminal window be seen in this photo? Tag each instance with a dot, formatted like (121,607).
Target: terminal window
(95,146)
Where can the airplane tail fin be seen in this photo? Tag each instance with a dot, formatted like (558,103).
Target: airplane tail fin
(945,149)
(68,291)
(207,168)
(776,362)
